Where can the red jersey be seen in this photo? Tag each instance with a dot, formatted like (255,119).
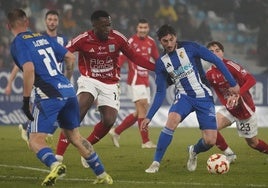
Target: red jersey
(99,59)
(245,80)
(148,49)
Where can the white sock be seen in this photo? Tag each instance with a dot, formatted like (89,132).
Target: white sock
(102,175)
(228,151)
(54,164)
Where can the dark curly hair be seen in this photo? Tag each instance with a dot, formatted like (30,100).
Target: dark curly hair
(165,30)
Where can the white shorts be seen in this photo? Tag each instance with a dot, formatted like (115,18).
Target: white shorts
(138,92)
(246,128)
(106,94)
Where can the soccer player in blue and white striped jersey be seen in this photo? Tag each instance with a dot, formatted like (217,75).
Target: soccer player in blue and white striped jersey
(181,63)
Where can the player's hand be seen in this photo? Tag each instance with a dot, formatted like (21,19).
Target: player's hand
(235,89)
(8,90)
(144,124)
(26,108)
(232,101)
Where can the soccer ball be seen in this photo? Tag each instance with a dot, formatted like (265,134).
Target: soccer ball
(218,164)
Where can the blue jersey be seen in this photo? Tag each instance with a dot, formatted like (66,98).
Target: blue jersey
(45,54)
(62,40)
(183,66)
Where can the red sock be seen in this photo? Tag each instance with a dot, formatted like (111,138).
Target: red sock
(262,147)
(126,123)
(62,145)
(98,133)
(220,143)
(144,133)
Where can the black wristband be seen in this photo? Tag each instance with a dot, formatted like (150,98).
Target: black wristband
(26,99)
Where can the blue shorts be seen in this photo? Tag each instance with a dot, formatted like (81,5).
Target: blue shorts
(48,111)
(203,107)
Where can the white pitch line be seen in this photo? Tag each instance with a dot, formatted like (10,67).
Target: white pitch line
(25,167)
(121,181)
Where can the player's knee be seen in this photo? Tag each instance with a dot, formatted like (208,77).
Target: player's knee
(252,142)
(108,121)
(211,141)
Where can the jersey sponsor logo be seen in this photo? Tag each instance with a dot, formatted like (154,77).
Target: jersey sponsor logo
(183,69)
(28,36)
(102,68)
(62,86)
(102,50)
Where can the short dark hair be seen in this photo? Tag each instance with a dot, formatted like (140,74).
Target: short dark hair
(15,15)
(99,14)
(165,30)
(143,20)
(213,43)
(53,12)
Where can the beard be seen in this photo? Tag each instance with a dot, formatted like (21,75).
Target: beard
(52,28)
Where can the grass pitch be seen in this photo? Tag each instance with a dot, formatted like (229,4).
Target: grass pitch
(20,168)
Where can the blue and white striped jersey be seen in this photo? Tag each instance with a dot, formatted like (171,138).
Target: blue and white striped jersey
(184,67)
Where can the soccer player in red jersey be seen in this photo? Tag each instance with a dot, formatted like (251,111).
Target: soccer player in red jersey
(98,51)
(241,111)
(138,84)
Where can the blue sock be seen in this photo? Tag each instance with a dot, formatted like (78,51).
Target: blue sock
(201,146)
(164,140)
(46,156)
(95,164)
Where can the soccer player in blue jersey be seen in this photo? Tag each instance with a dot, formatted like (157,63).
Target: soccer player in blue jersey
(181,62)
(52,23)
(55,99)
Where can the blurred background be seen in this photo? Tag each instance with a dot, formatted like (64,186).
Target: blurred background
(240,25)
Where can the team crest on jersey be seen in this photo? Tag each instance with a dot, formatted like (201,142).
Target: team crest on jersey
(60,40)
(111,48)
(181,54)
